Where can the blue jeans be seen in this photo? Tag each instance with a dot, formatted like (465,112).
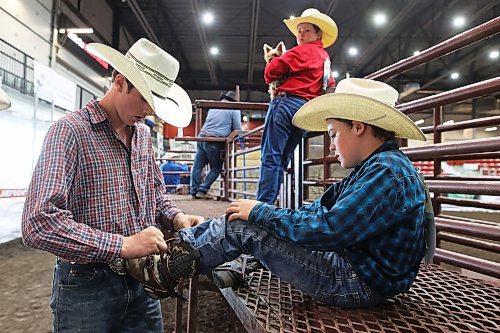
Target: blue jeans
(95,299)
(326,276)
(279,140)
(206,153)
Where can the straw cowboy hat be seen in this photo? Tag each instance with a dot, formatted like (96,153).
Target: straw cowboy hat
(364,100)
(4,100)
(324,22)
(153,72)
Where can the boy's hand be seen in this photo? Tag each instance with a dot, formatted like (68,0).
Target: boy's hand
(182,220)
(240,209)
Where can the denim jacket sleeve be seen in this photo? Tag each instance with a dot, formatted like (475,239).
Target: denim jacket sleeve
(349,212)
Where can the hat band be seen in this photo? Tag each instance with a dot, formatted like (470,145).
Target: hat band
(154,74)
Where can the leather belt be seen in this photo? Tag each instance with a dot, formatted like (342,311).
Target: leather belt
(117,265)
(287,94)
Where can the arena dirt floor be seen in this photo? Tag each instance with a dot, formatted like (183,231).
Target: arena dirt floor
(26,277)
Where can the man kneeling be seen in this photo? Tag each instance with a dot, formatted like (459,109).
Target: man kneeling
(360,242)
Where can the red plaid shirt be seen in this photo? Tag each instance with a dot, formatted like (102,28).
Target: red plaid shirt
(89,190)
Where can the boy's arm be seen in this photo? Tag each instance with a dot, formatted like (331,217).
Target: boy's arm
(46,223)
(365,209)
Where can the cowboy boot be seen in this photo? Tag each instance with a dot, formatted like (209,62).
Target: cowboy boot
(161,274)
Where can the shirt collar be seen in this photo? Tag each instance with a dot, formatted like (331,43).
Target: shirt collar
(96,112)
(386,146)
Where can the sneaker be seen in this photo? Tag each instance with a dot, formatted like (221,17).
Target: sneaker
(161,274)
(201,195)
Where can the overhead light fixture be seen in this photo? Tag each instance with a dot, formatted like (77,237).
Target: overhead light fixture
(291,17)
(352,51)
(493,54)
(490,129)
(77,31)
(419,122)
(459,21)
(335,74)
(214,50)
(454,75)
(208,18)
(379,19)
(416,53)
(245,118)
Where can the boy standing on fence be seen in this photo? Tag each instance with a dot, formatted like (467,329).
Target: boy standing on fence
(305,69)
(360,242)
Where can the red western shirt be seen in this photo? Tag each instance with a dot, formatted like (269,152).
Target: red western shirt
(304,66)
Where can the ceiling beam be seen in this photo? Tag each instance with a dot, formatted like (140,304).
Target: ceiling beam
(204,42)
(253,39)
(136,9)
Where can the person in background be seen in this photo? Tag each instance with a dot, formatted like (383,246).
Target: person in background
(172,180)
(219,124)
(306,71)
(97,196)
(363,240)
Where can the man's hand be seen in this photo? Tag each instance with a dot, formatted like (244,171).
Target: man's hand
(240,209)
(148,241)
(182,220)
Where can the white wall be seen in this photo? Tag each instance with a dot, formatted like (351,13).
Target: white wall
(29,30)
(26,26)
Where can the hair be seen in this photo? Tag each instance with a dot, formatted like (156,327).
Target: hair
(129,84)
(378,132)
(316,28)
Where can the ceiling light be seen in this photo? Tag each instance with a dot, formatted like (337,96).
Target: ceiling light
(379,19)
(490,129)
(353,51)
(245,118)
(454,75)
(207,18)
(291,17)
(335,74)
(214,50)
(449,122)
(419,122)
(77,31)
(416,53)
(494,54)
(458,21)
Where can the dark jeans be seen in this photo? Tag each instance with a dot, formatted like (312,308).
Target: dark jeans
(279,140)
(206,153)
(326,276)
(95,299)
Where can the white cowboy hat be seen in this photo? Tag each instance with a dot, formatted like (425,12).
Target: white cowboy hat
(4,100)
(170,156)
(324,22)
(364,100)
(152,71)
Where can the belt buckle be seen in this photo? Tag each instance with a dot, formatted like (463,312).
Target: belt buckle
(118,266)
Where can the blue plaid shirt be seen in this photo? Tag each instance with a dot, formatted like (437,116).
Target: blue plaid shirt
(374,216)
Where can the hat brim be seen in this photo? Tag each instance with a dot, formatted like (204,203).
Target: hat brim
(328,27)
(125,67)
(312,116)
(176,109)
(4,100)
